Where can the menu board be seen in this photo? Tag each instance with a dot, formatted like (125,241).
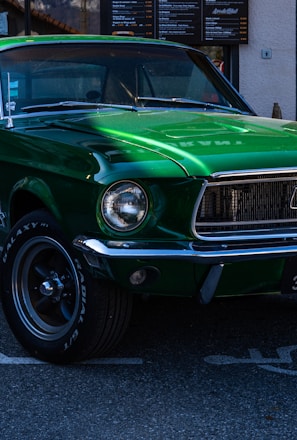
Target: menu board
(225,21)
(178,20)
(136,17)
(200,22)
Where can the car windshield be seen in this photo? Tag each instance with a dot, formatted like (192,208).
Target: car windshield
(38,77)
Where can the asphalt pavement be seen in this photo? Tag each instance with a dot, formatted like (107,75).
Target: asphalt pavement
(223,371)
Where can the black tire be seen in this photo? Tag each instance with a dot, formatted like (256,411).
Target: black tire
(56,310)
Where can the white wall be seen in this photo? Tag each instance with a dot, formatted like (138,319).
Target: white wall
(272,25)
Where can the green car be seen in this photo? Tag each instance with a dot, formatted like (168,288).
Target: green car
(132,167)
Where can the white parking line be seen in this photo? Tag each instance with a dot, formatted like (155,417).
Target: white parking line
(114,361)
(7,360)
(284,357)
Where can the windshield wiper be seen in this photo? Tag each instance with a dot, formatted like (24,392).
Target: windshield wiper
(81,105)
(74,105)
(189,102)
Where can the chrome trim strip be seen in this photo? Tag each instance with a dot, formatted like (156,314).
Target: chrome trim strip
(196,206)
(248,181)
(180,251)
(252,172)
(226,237)
(251,222)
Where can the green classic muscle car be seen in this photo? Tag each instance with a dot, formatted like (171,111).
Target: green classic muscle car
(131,166)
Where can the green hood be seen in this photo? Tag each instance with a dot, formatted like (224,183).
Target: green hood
(199,143)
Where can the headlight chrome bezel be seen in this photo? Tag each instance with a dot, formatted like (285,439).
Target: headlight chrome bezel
(124,193)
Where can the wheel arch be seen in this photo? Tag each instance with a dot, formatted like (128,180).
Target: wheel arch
(30,194)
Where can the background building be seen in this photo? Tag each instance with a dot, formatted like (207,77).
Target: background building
(264,70)
(267,64)
(12,21)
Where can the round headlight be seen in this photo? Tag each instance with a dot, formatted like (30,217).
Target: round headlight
(124,206)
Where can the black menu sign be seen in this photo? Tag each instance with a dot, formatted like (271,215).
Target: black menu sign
(136,17)
(198,22)
(225,21)
(178,20)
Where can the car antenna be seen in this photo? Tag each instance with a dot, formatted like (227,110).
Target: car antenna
(8,105)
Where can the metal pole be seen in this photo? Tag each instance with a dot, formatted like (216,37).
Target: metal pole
(83,17)
(27,17)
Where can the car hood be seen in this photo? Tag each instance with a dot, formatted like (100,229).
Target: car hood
(199,143)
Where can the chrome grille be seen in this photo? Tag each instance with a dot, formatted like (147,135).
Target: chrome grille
(248,206)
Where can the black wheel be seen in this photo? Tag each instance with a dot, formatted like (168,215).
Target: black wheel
(56,310)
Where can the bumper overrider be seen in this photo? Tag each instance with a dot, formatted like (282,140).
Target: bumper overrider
(214,255)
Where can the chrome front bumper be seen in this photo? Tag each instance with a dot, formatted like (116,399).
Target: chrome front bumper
(188,251)
(97,252)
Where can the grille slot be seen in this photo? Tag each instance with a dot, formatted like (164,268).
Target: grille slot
(251,206)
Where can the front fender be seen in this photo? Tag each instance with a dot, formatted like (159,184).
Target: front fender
(39,191)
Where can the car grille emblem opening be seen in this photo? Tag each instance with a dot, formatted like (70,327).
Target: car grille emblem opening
(293,201)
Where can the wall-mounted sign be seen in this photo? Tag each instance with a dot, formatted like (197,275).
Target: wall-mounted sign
(225,21)
(128,17)
(178,20)
(199,22)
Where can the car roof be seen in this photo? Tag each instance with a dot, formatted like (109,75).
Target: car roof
(9,42)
